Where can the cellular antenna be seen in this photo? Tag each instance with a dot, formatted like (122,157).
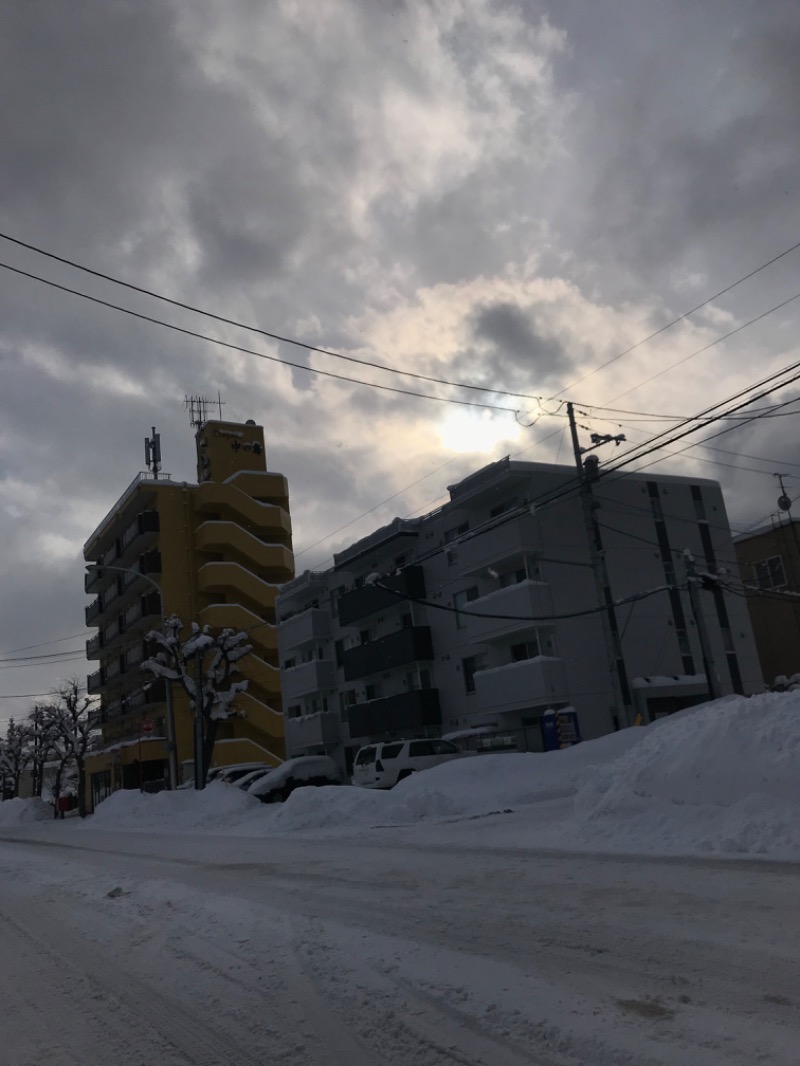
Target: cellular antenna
(152,452)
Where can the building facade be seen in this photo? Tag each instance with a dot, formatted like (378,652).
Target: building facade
(769,559)
(488,617)
(214,552)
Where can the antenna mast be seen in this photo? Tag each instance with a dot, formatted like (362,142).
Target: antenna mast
(198,408)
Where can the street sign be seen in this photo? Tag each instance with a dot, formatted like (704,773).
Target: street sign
(148,725)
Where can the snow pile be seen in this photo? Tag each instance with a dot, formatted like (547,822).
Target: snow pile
(721,778)
(23,811)
(216,807)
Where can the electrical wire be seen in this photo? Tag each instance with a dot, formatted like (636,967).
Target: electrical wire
(257,329)
(250,351)
(524,618)
(675,321)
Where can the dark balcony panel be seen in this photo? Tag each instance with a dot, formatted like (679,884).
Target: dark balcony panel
(405,646)
(150,563)
(369,599)
(94,646)
(408,713)
(146,522)
(94,682)
(92,611)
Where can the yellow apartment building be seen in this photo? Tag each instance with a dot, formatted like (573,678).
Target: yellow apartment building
(215,553)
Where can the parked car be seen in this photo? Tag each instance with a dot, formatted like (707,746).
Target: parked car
(234,771)
(249,779)
(278,785)
(383,765)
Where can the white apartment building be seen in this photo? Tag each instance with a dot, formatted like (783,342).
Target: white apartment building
(497,615)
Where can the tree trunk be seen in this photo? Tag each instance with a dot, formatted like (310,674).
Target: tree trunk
(81,787)
(209,741)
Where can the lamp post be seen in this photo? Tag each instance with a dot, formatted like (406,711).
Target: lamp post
(172,751)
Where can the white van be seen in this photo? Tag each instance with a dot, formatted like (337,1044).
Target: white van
(383,765)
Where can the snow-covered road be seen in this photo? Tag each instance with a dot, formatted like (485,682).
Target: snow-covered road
(125,948)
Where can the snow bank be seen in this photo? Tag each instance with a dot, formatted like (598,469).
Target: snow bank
(23,811)
(721,778)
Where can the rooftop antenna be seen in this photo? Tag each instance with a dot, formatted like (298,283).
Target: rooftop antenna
(152,453)
(198,408)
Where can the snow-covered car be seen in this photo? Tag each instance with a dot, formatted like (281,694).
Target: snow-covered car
(383,765)
(234,771)
(247,780)
(278,785)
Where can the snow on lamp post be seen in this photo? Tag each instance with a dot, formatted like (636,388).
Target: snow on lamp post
(172,750)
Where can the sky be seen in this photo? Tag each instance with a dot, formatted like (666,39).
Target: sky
(503,194)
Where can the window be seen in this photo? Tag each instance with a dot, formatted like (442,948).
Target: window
(294,710)
(363,636)
(457,531)
(365,757)
(469,667)
(770,573)
(289,664)
(460,600)
(512,577)
(420,747)
(334,603)
(338,648)
(347,699)
(391,751)
(444,747)
(526,649)
(372,692)
(406,620)
(501,508)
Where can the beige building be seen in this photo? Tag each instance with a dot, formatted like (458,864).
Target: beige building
(769,560)
(214,552)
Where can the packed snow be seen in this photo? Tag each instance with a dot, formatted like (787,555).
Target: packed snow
(577,908)
(716,779)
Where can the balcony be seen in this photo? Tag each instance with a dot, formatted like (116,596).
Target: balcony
(319,675)
(94,682)
(496,544)
(145,607)
(306,628)
(407,712)
(145,522)
(311,731)
(531,682)
(526,601)
(369,599)
(94,646)
(93,611)
(405,646)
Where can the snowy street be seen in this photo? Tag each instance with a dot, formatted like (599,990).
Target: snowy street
(126,948)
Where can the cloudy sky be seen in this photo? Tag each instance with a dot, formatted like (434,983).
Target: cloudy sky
(507,194)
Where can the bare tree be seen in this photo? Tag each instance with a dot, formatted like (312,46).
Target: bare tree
(211,660)
(14,754)
(68,724)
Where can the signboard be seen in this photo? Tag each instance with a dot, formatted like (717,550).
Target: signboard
(148,726)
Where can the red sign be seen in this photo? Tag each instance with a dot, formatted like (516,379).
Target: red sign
(148,725)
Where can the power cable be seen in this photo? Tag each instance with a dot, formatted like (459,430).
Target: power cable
(250,351)
(675,321)
(706,347)
(256,329)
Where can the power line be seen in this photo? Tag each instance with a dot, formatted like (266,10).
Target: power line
(706,347)
(675,321)
(45,643)
(249,351)
(256,329)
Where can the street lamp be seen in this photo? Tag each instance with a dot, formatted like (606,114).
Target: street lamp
(172,750)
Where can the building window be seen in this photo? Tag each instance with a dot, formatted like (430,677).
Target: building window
(364,636)
(512,577)
(502,508)
(469,668)
(372,692)
(526,649)
(289,664)
(457,531)
(460,600)
(770,573)
(339,652)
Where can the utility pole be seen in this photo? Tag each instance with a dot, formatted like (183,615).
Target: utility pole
(693,584)
(199,768)
(617,669)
